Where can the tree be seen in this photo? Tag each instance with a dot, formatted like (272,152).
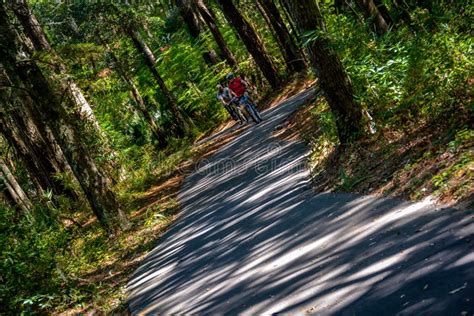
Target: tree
(36,34)
(371,11)
(253,43)
(333,79)
(14,189)
(31,138)
(139,102)
(209,19)
(384,11)
(192,19)
(292,56)
(150,61)
(52,106)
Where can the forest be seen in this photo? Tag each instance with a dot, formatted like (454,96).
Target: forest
(106,106)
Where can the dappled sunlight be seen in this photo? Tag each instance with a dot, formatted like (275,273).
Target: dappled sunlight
(252,238)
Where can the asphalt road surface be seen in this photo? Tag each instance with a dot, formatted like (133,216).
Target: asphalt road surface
(253,239)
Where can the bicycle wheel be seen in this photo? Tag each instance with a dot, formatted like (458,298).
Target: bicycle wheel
(257,112)
(252,112)
(241,115)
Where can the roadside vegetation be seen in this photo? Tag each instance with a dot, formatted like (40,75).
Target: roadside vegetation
(103,106)
(416,84)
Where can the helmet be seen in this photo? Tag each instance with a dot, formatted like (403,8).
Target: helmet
(229,76)
(219,86)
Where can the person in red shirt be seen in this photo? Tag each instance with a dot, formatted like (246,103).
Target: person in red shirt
(238,87)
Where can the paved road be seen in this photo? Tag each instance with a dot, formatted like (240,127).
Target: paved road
(254,239)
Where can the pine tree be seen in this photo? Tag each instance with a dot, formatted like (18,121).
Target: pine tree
(208,17)
(333,79)
(293,58)
(253,43)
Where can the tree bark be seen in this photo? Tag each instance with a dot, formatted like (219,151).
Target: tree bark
(332,76)
(284,6)
(210,21)
(65,125)
(192,19)
(371,11)
(291,54)
(150,61)
(189,17)
(253,43)
(32,139)
(14,188)
(384,11)
(35,33)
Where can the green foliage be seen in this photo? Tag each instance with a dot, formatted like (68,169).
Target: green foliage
(413,73)
(30,247)
(406,75)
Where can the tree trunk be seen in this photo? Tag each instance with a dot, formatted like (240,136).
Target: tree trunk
(384,11)
(35,33)
(332,76)
(141,106)
(64,124)
(208,17)
(139,102)
(291,54)
(32,139)
(14,189)
(150,61)
(253,43)
(192,19)
(371,11)
(189,17)
(284,6)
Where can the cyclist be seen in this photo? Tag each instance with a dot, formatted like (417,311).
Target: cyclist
(225,95)
(238,86)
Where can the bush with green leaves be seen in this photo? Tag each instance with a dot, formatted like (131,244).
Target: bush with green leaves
(414,72)
(29,247)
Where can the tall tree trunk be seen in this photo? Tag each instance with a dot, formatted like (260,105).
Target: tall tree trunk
(65,124)
(253,43)
(208,17)
(14,188)
(35,33)
(384,11)
(150,61)
(192,19)
(32,139)
(291,54)
(371,11)
(189,17)
(332,76)
(284,6)
(139,102)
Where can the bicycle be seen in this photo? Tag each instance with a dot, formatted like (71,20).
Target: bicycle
(250,108)
(234,106)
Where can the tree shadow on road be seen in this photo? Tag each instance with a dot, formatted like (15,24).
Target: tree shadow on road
(254,239)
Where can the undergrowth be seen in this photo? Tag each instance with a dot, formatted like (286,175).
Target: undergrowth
(415,83)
